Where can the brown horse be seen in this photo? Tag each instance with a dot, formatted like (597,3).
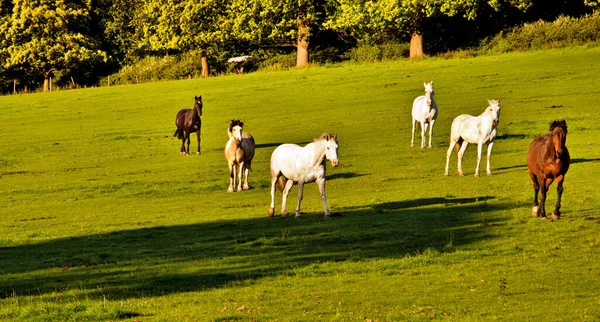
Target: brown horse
(187,122)
(548,160)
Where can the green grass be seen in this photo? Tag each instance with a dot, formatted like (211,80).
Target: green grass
(102,219)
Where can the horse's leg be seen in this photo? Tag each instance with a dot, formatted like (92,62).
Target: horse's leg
(488,168)
(412,140)
(187,135)
(231,176)
(536,189)
(559,192)
(479,147)
(182,150)
(300,196)
(321,184)
(240,169)
(286,191)
(246,171)
(545,184)
(274,179)
(430,131)
(448,154)
(198,136)
(461,152)
(423,132)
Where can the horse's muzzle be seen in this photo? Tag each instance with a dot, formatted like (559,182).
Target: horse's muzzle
(496,122)
(335,163)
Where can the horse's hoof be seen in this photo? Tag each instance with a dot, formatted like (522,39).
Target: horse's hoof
(446,174)
(297,216)
(230,189)
(412,145)
(246,187)
(489,174)
(429,147)
(555,216)
(271,212)
(460,174)
(197,152)
(544,218)
(187,153)
(284,214)
(534,211)
(476,174)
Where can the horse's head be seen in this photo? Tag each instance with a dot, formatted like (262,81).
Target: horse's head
(429,92)
(198,104)
(235,129)
(331,148)
(494,109)
(559,136)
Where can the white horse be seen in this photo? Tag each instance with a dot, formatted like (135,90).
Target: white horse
(470,129)
(239,152)
(292,163)
(425,112)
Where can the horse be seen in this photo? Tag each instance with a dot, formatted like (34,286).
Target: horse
(188,121)
(480,129)
(548,160)
(292,163)
(424,112)
(239,152)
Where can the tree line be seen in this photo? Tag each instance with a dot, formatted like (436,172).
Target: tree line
(88,39)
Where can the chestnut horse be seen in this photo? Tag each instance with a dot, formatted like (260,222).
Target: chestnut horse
(548,160)
(187,122)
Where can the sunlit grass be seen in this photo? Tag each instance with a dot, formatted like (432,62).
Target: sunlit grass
(102,219)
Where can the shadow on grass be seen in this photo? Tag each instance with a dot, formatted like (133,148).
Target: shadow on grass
(270,145)
(579,160)
(163,260)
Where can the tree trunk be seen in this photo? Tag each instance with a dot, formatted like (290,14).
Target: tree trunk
(416,46)
(302,53)
(302,42)
(205,71)
(47,81)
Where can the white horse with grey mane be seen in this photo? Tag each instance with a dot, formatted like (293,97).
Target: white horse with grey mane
(292,163)
(424,112)
(478,130)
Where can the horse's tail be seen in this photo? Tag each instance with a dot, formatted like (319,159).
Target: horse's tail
(178,133)
(281,183)
(458,144)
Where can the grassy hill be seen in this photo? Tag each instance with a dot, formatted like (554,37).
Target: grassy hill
(102,219)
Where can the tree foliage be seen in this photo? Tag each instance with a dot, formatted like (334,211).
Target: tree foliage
(44,36)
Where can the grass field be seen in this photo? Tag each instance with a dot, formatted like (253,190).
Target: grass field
(102,219)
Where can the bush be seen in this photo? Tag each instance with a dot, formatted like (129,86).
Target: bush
(561,32)
(374,53)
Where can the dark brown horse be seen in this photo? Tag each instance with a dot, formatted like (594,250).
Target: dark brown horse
(187,122)
(548,160)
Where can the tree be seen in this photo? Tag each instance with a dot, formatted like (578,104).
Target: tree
(369,19)
(175,27)
(277,23)
(45,36)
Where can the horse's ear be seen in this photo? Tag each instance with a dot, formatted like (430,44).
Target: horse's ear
(424,84)
(499,101)
(489,101)
(335,138)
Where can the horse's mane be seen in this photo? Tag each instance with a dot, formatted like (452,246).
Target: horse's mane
(562,124)
(235,123)
(325,136)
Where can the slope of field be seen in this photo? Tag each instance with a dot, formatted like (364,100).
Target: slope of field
(102,219)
